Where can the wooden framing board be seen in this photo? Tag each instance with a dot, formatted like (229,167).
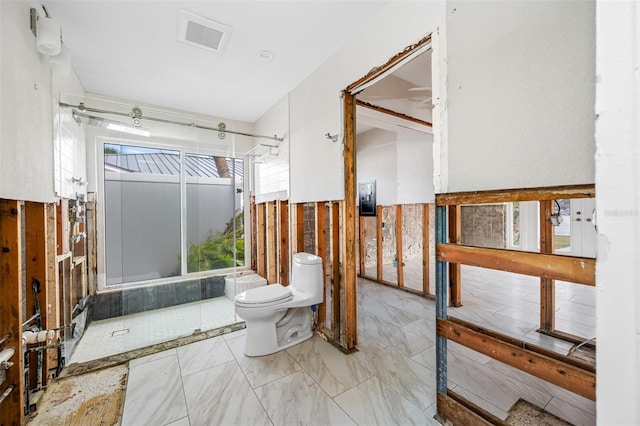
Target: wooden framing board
(271,250)
(283,233)
(52,303)
(299,227)
(579,270)
(547,285)
(509,195)
(254,233)
(321,250)
(362,244)
(261,266)
(11,314)
(36,261)
(335,259)
(455,272)
(459,411)
(560,373)
(426,261)
(399,256)
(379,210)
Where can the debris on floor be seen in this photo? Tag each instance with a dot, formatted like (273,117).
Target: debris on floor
(94,398)
(524,413)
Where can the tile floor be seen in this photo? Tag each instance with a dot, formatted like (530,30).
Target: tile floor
(390,380)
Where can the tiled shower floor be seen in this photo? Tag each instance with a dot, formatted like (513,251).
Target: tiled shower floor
(118,335)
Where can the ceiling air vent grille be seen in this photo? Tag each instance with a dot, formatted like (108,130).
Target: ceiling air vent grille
(202,32)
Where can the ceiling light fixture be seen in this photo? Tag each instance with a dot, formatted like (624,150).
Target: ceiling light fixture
(265,55)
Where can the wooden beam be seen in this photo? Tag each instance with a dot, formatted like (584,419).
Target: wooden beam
(362,249)
(321,250)
(254,232)
(261,259)
(299,227)
(11,315)
(379,237)
(426,261)
(453,409)
(547,285)
(455,272)
(509,195)
(350,304)
(50,307)
(272,252)
(335,259)
(549,369)
(399,257)
(283,233)
(36,262)
(579,270)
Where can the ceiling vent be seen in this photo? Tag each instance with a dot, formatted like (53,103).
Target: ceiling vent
(202,32)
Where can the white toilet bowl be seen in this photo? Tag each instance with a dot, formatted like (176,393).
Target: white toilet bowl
(278,317)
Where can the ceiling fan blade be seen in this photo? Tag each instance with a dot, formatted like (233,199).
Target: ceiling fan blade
(420,89)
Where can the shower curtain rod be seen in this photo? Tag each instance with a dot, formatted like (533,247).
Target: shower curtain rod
(136,114)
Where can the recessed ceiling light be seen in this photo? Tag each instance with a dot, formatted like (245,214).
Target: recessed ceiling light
(265,55)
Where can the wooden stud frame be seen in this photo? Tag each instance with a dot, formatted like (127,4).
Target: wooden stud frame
(283,243)
(565,372)
(399,256)
(261,266)
(11,314)
(321,250)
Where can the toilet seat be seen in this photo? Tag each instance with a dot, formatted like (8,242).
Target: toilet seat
(269,295)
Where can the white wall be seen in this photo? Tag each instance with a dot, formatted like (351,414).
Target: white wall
(520,94)
(272,165)
(27,106)
(377,159)
(618,213)
(317,164)
(415,167)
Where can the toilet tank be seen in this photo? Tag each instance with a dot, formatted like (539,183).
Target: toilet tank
(306,275)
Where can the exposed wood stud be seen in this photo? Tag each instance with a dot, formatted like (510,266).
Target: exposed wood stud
(579,270)
(36,263)
(254,233)
(11,314)
(452,410)
(350,304)
(399,257)
(547,285)
(362,252)
(425,250)
(283,233)
(271,252)
(508,195)
(379,238)
(455,273)
(563,374)
(51,304)
(299,228)
(260,241)
(335,257)
(321,250)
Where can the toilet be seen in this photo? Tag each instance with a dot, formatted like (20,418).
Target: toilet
(278,317)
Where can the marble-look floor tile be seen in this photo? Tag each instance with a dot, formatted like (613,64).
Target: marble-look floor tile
(556,345)
(570,413)
(405,342)
(152,357)
(480,402)
(334,371)
(222,396)
(262,369)
(494,387)
(204,354)
(566,396)
(493,321)
(390,313)
(154,393)
(297,399)
(374,403)
(425,328)
(428,357)
(180,422)
(407,377)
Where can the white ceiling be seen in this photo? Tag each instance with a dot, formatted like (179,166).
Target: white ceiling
(129,50)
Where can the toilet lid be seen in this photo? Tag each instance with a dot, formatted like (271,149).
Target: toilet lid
(274,293)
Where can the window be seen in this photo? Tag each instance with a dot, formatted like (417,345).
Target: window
(170,213)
